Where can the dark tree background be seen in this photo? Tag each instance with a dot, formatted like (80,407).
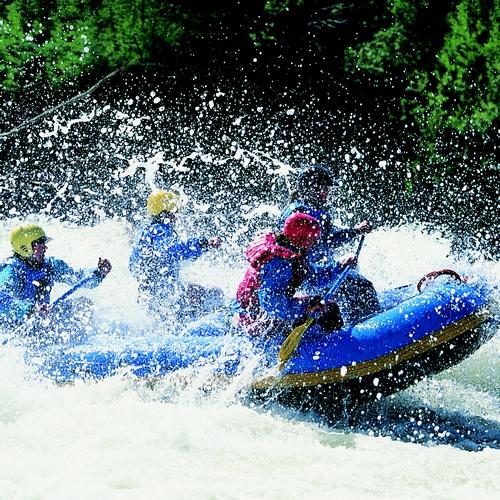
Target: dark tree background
(416,81)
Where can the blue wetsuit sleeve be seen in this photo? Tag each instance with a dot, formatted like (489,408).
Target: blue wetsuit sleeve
(337,236)
(331,235)
(190,249)
(64,273)
(11,307)
(158,245)
(165,244)
(273,293)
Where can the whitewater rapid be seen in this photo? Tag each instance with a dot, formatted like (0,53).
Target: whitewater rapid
(126,439)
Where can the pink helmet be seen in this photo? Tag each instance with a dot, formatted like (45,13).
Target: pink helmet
(302,230)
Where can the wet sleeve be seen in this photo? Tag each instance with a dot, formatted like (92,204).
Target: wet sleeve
(273,293)
(334,236)
(190,249)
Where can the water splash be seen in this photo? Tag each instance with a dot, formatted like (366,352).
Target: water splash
(84,174)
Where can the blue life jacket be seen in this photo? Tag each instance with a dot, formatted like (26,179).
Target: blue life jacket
(156,258)
(332,236)
(260,251)
(22,286)
(275,275)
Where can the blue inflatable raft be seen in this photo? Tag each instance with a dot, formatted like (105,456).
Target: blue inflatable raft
(413,337)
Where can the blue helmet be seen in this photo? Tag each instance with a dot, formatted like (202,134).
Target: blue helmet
(313,176)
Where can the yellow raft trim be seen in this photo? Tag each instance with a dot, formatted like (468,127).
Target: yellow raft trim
(385,362)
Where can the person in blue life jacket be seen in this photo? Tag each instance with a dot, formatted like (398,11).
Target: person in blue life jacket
(357,296)
(156,259)
(313,186)
(28,276)
(268,299)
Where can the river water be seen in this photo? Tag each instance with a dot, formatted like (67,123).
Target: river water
(84,173)
(124,439)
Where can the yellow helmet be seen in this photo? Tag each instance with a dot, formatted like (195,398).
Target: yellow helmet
(163,201)
(21,238)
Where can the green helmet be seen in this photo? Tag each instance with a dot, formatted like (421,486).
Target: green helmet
(22,237)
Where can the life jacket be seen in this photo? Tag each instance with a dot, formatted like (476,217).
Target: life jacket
(146,264)
(320,214)
(36,284)
(258,253)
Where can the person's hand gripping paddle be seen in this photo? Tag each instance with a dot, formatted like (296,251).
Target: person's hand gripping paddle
(291,343)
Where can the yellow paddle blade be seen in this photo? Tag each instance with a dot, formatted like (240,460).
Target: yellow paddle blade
(291,342)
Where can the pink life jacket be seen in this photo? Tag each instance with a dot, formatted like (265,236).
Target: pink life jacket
(258,253)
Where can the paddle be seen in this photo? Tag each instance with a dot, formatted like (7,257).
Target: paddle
(72,290)
(64,296)
(291,343)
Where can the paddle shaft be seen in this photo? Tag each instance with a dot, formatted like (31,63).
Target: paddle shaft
(72,290)
(291,343)
(342,276)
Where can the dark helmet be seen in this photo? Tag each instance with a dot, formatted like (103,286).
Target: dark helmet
(313,176)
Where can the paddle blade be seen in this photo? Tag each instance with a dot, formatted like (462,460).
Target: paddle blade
(291,342)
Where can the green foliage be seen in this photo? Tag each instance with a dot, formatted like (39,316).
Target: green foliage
(448,72)
(461,92)
(121,38)
(466,92)
(394,45)
(439,60)
(67,51)
(17,46)
(276,7)
(62,39)
(129,31)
